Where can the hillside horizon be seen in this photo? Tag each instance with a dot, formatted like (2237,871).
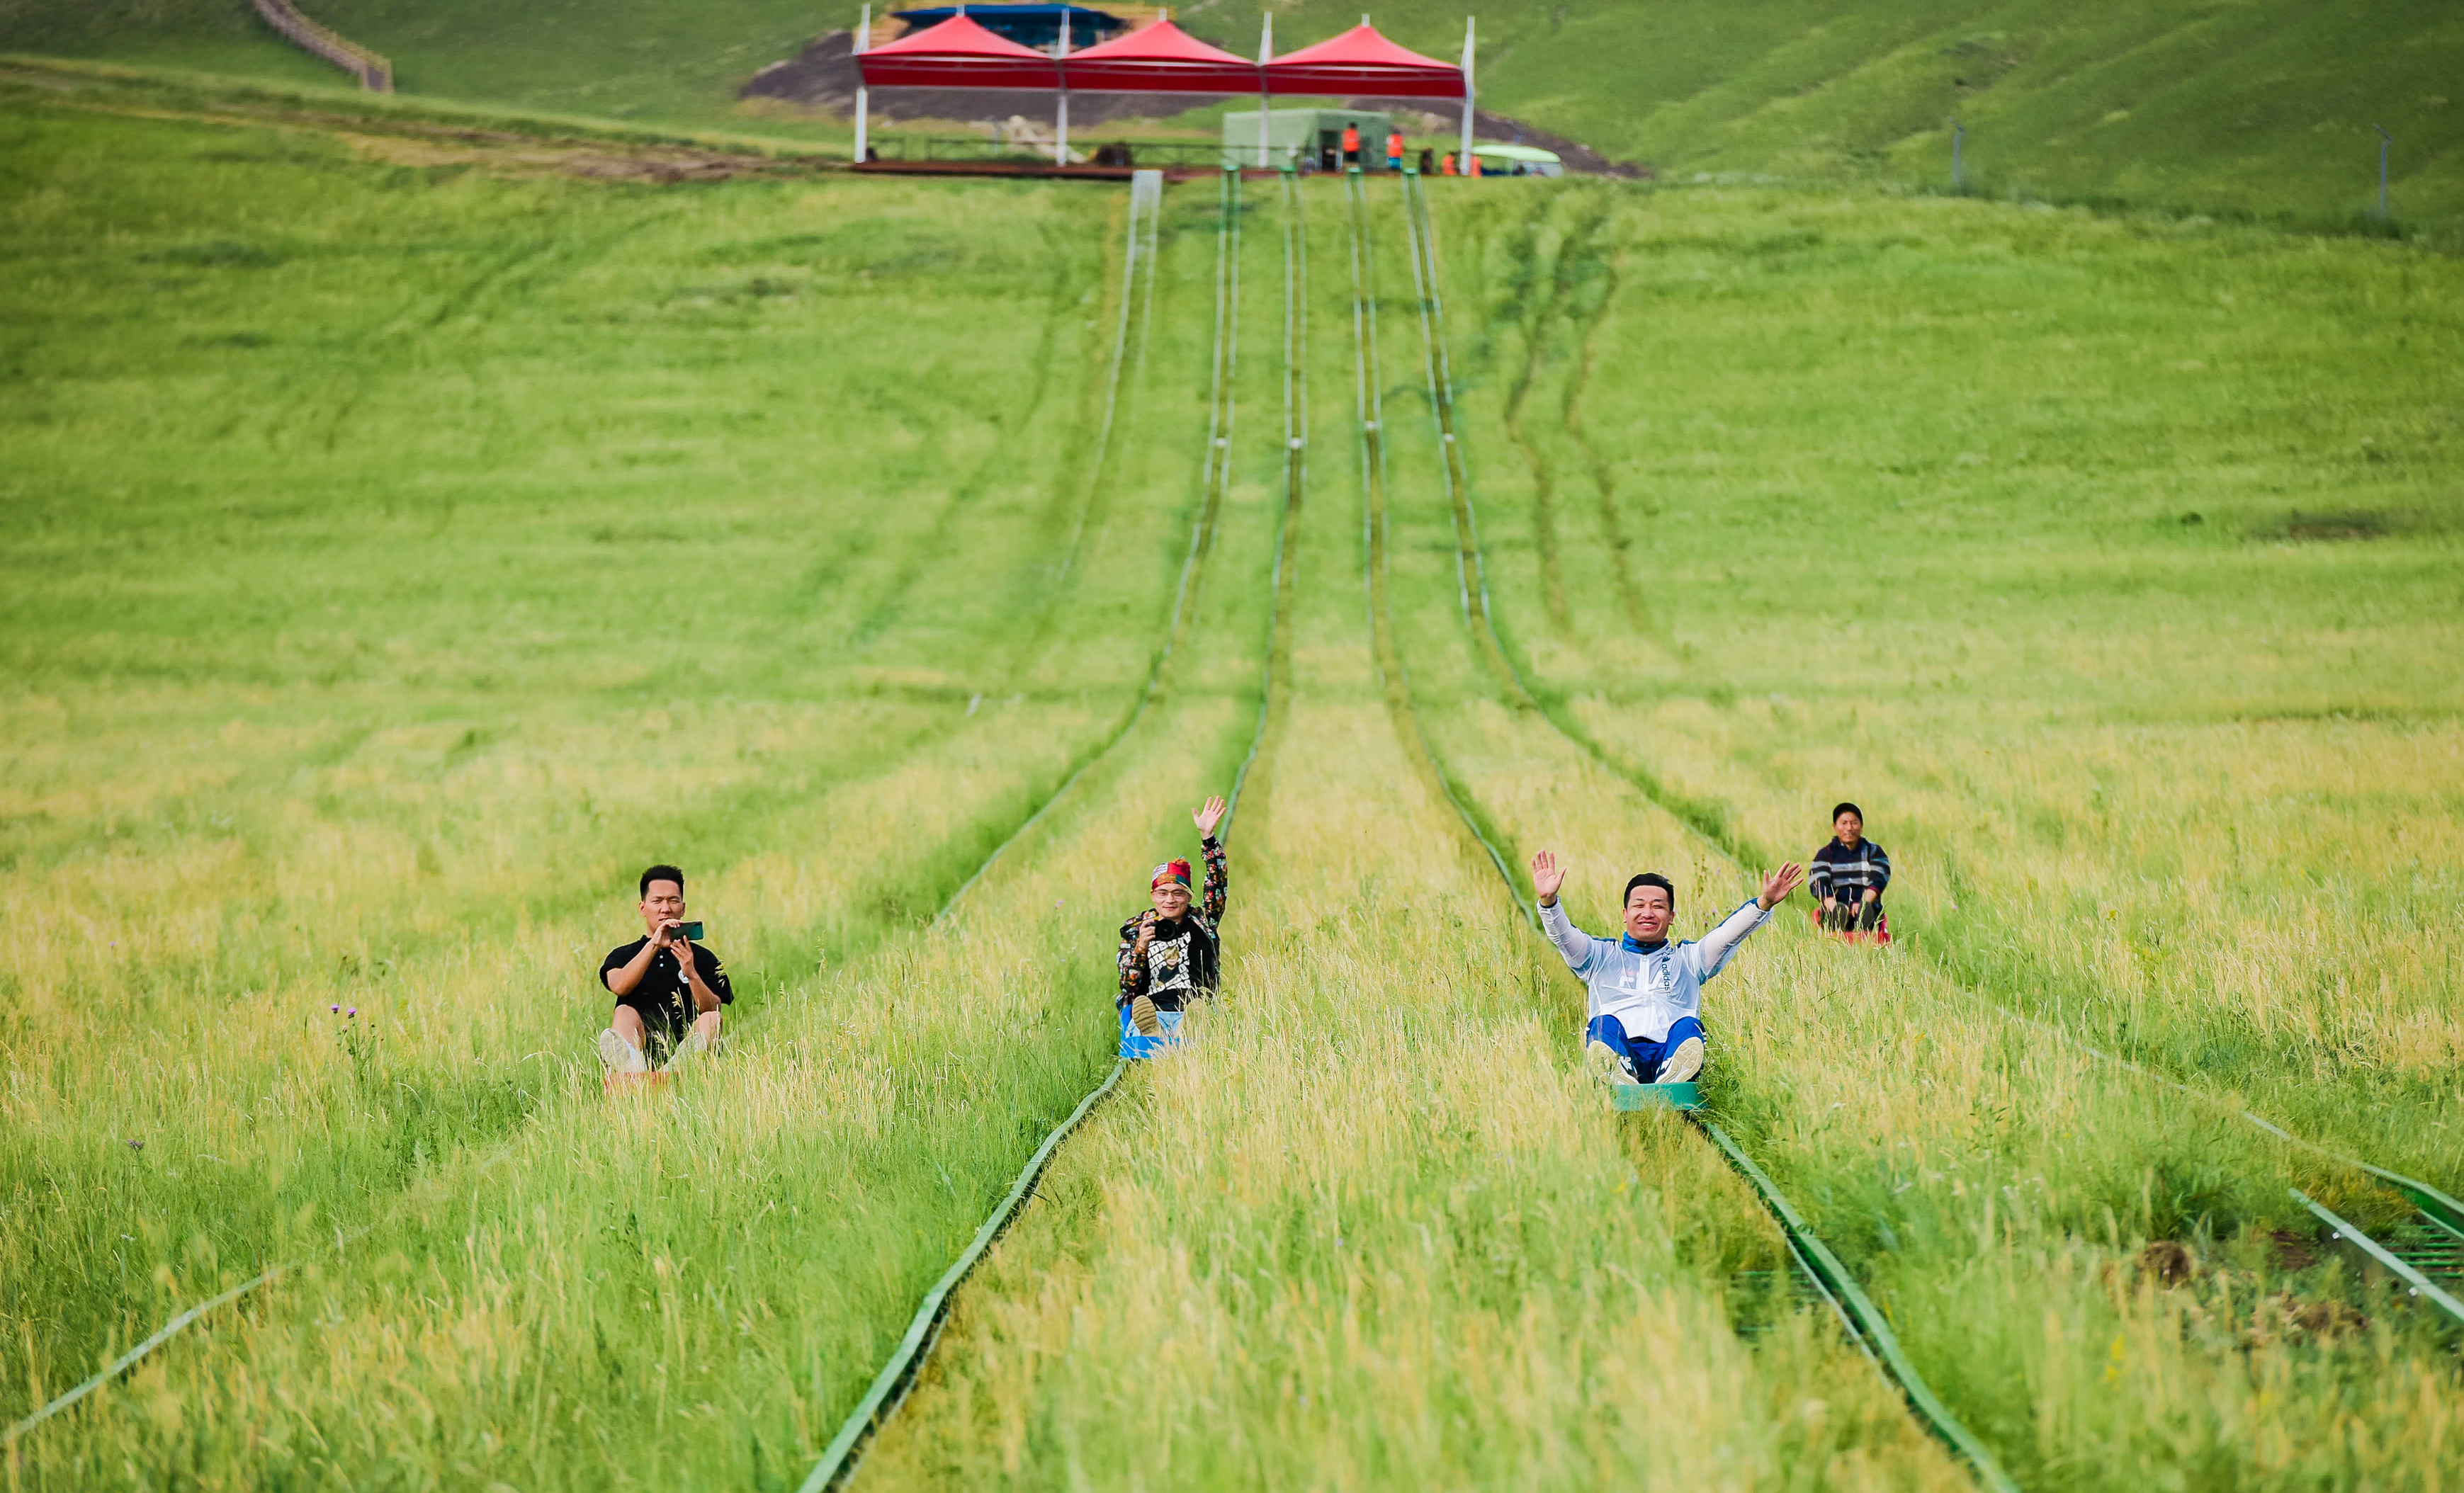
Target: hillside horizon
(2267,108)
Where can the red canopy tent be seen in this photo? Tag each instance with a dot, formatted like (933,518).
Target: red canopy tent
(1364,63)
(957,54)
(1160,59)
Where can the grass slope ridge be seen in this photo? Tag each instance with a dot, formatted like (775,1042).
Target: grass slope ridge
(2266,108)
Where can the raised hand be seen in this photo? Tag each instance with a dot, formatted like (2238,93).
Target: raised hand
(1547,876)
(1778,884)
(1208,816)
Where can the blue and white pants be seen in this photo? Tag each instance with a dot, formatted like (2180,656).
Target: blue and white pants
(1645,1055)
(1136,1043)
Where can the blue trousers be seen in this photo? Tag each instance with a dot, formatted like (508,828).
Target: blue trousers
(1136,1043)
(1646,1056)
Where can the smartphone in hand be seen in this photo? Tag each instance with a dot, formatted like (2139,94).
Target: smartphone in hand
(689,931)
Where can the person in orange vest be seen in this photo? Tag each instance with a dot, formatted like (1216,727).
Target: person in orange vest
(1472,165)
(1394,151)
(1446,164)
(1352,144)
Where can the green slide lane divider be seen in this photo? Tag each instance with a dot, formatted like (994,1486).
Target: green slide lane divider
(1145,200)
(1872,1333)
(1858,1316)
(2441,1212)
(839,1458)
(2422,1285)
(128,1360)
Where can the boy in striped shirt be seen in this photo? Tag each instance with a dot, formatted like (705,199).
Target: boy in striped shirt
(1849,874)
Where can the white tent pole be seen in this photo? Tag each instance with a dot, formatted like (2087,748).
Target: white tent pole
(1265,54)
(1462,162)
(863,98)
(1061,114)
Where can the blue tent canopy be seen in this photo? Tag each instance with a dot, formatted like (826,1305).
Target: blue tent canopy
(1037,25)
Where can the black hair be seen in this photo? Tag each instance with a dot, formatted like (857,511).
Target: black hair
(1847,808)
(1651,879)
(661,873)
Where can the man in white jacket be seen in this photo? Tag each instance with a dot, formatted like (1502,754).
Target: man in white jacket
(1645,1021)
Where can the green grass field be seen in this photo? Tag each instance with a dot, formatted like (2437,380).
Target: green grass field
(2268,109)
(407,549)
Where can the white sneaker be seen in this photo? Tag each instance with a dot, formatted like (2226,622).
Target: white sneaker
(1680,1067)
(621,1055)
(694,1040)
(1606,1065)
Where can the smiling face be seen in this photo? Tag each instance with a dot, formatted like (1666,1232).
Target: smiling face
(1648,913)
(1850,827)
(1170,900)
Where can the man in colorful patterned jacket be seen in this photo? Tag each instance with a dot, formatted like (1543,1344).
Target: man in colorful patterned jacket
(1170,953)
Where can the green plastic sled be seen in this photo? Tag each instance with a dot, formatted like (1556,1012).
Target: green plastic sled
(1656,1096)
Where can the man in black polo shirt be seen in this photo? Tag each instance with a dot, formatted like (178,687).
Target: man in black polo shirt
(668,989)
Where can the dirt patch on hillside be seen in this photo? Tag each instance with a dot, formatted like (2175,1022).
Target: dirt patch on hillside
(822,78)
(597,160)
(415,142)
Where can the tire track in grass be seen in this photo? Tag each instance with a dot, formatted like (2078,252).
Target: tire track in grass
(490,281)
(842,1459)
(1838,1289)
(1201,528)
(1274,699)
(1603,476)
(2440,1216)
(2440,1210)
(962,499)
(1394,681)
(1535,313)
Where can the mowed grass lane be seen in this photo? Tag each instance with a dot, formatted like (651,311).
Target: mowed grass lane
(423,553)
(2000,1188)
(1368,1230)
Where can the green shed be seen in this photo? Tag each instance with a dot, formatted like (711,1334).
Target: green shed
(1312,139)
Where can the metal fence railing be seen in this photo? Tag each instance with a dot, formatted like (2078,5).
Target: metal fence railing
(374,73)
(1093,152)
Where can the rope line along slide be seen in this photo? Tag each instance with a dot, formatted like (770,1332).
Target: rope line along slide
(2440,1222)
(842,1458)
(1831,1281)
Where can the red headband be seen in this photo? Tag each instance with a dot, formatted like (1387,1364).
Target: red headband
(1177,872)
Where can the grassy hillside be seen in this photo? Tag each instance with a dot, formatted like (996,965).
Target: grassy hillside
(2265,107)
(408,544)
(1720,395)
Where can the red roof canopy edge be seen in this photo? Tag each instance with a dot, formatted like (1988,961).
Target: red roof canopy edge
(957,54)
(1363,61)
(960,53)
(1159,58)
